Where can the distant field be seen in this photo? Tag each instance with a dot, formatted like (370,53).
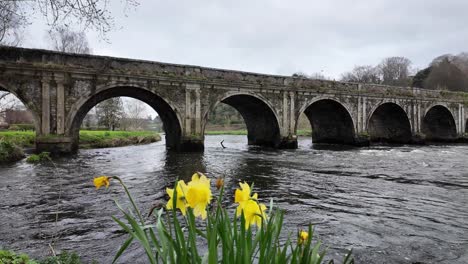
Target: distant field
(244,132)
(226,132)
(88,138)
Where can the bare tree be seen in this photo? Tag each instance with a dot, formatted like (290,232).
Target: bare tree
(90,120)
(395,71)
(134,115)
(362,74)
(110,113)
(8,102)
(86,14)
(12,19)
(66,40)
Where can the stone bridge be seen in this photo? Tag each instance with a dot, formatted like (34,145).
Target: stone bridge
(61,88)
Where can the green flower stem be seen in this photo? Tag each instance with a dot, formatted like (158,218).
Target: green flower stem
(131,199)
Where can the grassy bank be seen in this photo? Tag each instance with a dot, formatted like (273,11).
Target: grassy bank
(244,132)
(24,139)
(304,132)
(88,138)
(109,139)
(226,132)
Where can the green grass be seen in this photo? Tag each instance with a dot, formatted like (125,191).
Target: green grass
(22,139)
(226,132)
(300,132)
(304,132)
(88,138)
(107,139)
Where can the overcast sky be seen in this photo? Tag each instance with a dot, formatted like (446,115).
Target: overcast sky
(282,37)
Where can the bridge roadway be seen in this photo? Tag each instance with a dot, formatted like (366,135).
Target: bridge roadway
(61,88)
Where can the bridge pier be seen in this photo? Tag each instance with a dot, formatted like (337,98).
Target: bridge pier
(190,145)
(56,144)
(288,143)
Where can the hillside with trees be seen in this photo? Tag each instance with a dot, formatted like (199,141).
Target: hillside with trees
(446,72)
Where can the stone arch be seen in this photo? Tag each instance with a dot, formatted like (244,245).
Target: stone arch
(263,127)
(165,109)
(331,121)
(35,114)
(389,123)
(439,124)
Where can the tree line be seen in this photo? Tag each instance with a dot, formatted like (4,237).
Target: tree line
(445,72)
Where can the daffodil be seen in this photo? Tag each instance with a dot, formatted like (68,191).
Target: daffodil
(302,237)
(254,213)
(199,194)
(102,181)
(242,195)
(181,202)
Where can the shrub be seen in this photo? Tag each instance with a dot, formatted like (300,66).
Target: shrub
(9,152)
(14,128)
(37,158)
(63,258)
(251,235)
(22,127)
(10,257)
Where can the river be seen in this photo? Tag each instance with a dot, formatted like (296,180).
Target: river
(405,204)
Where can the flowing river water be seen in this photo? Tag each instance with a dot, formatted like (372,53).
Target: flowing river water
(405,204)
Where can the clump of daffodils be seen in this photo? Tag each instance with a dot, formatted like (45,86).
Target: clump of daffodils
(196,195)
(254,212)
(227,240)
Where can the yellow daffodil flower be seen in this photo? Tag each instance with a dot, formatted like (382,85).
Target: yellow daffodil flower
(101,181)
(181,202)
(242,195)
(199,194)
(303,236)
(254,213)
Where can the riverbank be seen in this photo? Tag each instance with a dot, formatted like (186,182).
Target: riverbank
(110,139)
(88,139)
(244,132)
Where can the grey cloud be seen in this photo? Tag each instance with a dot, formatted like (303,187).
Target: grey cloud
(286,36)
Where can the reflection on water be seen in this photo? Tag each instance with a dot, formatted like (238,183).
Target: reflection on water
(391,205)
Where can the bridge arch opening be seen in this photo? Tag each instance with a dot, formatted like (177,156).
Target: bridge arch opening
(389,123)
(258,116)
(439,124)
(331,122)
(15,113)
(167,114)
